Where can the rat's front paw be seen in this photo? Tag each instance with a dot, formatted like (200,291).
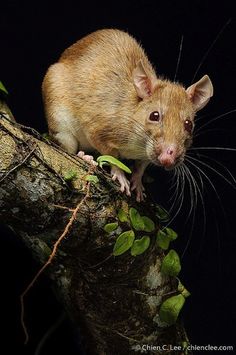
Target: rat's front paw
(136,184)
(118,174)
(87,158)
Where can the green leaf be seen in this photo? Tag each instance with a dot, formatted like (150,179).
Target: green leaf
(141,223)
(123,243)
(136,220)
(165,236)
(185,293)
(171,234)
(180,286)
(122,215)
(171,264)
(3,90)
(162,240)
(162,214)
(140,245)
(149,225)
(104,159)
(46,136)
(110,227)
(183,290)
(170,309)
(92,178)
(70,175)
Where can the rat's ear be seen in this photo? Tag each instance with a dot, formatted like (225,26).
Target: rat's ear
(144,82)
(200,92)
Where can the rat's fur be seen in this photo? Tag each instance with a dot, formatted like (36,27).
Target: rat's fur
(101,92)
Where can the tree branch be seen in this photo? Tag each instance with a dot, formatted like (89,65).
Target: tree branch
(114,300)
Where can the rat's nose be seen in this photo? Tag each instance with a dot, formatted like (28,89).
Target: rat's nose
(165,160)
(167,156)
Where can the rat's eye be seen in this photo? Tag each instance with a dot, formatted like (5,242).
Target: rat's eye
(188,126)
(154,116)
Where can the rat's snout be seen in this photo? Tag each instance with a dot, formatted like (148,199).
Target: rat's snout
(168,155)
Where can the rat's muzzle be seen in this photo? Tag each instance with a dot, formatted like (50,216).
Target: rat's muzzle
(169,156)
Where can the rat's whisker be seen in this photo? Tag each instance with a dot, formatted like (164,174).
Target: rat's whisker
(213,188)
(174,197)
(179,200)
(190,235)
(199,190)
(192,190)
(187,172)
(210,48)
(174,181)
(208,131)
(200,118)
(174,184)
(214,170)
(179,57)
(138,129)
(213,148)
(219,164)
(223,115)
(207,178)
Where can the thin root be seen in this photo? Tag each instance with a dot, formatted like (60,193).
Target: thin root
(48,262)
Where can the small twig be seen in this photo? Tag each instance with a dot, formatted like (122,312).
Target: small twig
(100,263)
(63,207)
(48,262)
(33,131)
(125,337)
(5,115)
(169,293)
(48,333)
(141,293)
(18,165)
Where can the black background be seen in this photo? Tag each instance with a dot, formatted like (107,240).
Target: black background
(32,37)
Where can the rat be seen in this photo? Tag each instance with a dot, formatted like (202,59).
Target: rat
(104,95)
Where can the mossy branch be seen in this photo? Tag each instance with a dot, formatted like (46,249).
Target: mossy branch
(114,300)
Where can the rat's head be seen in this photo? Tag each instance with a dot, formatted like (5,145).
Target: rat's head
(167,112)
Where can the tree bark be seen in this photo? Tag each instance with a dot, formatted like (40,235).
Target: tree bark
(114,300)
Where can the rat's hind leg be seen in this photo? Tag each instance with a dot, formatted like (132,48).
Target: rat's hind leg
(67,140)
(59,114)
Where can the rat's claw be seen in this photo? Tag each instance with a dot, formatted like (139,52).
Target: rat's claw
(118,174)
(140,196)
(136,184)
(87,158)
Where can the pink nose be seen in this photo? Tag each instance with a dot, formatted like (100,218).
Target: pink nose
(167,157)
(165,160)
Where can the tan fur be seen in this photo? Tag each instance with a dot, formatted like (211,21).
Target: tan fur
(91,102)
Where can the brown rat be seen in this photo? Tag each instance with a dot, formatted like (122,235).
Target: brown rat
(103,94)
